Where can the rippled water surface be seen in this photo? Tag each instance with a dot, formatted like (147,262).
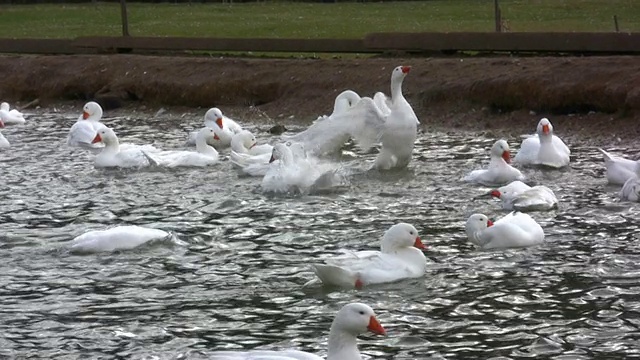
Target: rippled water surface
(234,280)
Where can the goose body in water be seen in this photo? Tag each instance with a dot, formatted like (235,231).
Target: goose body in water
(514,230)
(352,320)
(114,239)
(112,156)
(543,148)
(499,171)
(400,257)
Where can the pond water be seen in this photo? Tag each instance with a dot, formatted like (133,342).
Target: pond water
(234,280)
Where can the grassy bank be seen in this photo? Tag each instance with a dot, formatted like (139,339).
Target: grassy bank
(304,20)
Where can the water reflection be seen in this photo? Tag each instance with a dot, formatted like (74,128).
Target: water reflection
(236,280)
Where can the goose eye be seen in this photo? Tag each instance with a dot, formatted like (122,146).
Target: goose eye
(361,312)
(411,232)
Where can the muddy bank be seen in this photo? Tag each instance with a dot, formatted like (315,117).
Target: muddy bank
(598,96)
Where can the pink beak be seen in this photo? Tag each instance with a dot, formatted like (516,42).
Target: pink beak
(545,129)
(489,223)
(495,193)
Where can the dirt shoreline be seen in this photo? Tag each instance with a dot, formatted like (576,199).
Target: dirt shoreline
(597,97)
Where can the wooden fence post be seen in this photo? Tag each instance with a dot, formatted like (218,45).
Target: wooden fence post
(125,20)
(497,15)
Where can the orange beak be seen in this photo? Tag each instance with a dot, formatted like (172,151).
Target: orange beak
(489,223)
(506,155)
(495,193)
(418,243)
(375,327)
(96,139)
(406,69)
(219,122)
(85,115)
(545,129)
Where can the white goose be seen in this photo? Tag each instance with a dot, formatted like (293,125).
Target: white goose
(631,190)
(296,172)
(284,176)
(514,230)
(117,238)
(521,197)
(205,155)
(619,169)
(113,156)
(244,142)
(84,130)
(10,116)
(224,127)
(328,133)
(352,320)
(543,148)
(400,126)
(4,143)
(499,171)
(400,257)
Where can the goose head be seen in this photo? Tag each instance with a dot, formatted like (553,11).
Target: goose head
(280,152)
(544,128)
(92,111)
(476,223)
(214,115)
(5,106)
(399,72)
(244,139)
(500,149)
(356,319)
(401,235)
(205,135)
(106,136)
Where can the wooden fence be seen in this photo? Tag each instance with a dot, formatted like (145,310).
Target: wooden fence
(431,43)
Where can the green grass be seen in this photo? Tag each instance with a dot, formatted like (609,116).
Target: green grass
(314,20)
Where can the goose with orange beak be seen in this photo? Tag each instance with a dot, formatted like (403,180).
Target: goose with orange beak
(352,320)
(400,257)
(85,129)
(544,148)
(223,126)
(499,172)
(514,230)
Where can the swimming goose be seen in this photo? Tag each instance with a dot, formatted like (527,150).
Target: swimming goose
(352,320)
(514,230)
(543,148)
(117,238)
(113,156)
(400,257)
(84,130)
(10,117)
(223,126)
(205,155)
(499,171)
(522,197)
(619,169)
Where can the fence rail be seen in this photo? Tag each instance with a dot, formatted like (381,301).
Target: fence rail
(570,43)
